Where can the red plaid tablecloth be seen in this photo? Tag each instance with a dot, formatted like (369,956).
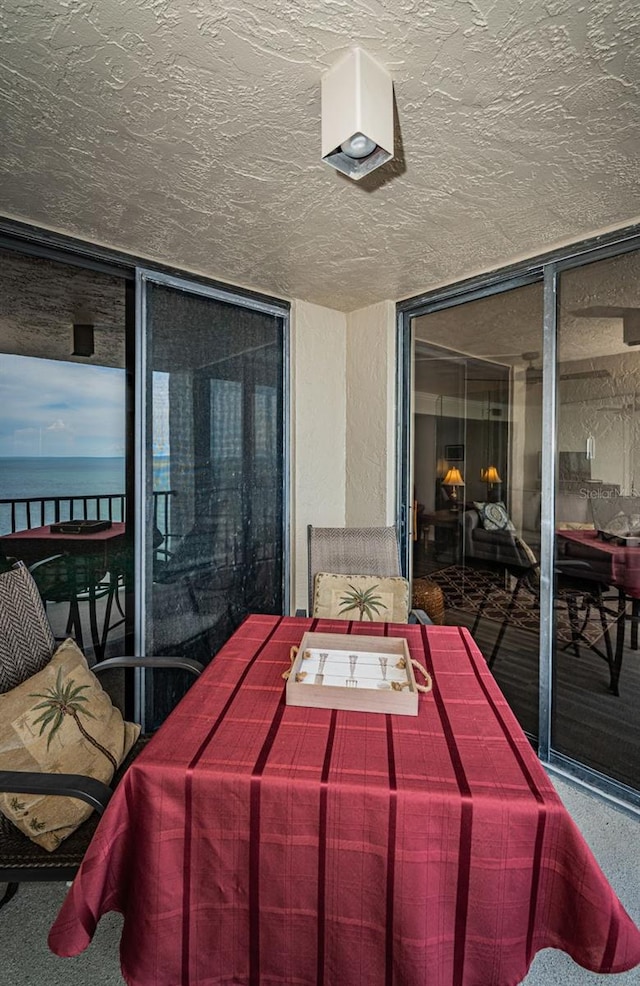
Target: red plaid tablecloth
(623,562)
(260,844)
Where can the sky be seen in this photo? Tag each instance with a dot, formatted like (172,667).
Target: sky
(53,408)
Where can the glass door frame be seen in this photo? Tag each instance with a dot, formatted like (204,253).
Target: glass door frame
(32,240)
(547,269)
(142,551)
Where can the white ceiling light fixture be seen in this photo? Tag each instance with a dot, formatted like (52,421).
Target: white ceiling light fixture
(357,115)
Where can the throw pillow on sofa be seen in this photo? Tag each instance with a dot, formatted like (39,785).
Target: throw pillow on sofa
(494,516)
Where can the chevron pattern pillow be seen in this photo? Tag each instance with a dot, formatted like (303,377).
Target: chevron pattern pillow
(26,638)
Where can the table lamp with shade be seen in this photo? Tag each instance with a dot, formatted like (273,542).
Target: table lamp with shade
(491,477)
(453,480)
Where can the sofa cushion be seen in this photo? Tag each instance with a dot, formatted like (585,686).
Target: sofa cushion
(481,536)
(59,721)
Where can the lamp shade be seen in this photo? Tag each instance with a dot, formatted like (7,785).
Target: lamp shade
(453,477)
(491,475)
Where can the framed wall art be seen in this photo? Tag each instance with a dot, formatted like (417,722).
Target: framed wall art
(454,453)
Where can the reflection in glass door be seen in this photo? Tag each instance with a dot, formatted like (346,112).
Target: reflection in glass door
(564,649)
(64,502)
(213,547)
(476,485)
(597,524)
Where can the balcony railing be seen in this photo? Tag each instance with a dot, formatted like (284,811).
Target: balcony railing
(24,513)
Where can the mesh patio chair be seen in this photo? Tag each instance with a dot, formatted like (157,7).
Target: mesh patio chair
(26,646)
(355,551)
(576,587)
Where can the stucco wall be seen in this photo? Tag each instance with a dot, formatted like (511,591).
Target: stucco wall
(343,423)
(318,416)
(370,416)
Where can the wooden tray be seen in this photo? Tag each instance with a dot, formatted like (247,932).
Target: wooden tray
(80,526)
(345,671)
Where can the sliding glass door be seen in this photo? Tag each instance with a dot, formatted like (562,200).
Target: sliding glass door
(148,415)
(211,457)
(477,412)
(520,411)
(597,523)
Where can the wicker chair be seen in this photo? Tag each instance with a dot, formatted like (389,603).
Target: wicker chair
(355,551)
(26,646)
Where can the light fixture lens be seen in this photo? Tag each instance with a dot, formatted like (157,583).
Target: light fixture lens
(358,146)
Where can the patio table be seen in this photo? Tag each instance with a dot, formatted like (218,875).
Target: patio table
(101,551)
(257,843)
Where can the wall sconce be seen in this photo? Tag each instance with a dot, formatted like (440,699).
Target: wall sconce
(357,115)
(590,450)
(454,480)
(83,341)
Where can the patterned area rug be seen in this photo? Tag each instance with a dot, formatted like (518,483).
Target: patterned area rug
(465,588)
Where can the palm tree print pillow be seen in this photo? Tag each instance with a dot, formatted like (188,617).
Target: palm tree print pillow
(364,598)
(59,721)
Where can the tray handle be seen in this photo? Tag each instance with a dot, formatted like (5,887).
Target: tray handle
(293,653)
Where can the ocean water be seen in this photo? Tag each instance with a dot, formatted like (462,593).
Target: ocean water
(64,476)
(60,476)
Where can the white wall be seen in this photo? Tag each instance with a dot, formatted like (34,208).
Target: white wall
(424,480)
(371,418)
(318,418)
(343,424)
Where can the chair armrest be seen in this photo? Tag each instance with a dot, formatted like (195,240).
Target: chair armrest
(579,571)
(42,562)
(419,616)
(160,661)
(562,565)
(88,789)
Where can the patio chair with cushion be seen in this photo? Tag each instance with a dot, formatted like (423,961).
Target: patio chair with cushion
(362,553)
(47,780)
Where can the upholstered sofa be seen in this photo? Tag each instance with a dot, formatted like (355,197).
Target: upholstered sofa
(513,548)
(501,547)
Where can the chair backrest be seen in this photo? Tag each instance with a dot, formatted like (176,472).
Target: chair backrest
(352,551)
(26,638)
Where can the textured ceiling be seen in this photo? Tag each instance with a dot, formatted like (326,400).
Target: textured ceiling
(189,133)
(507,327)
